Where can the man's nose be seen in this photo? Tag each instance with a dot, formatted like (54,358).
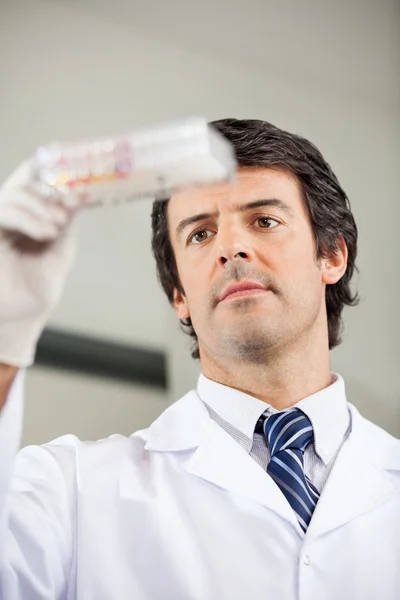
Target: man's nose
(233,246)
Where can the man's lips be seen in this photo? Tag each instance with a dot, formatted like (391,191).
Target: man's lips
(244,288)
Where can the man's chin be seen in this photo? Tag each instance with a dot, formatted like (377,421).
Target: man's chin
(253,319)
(250,350)
(248,339)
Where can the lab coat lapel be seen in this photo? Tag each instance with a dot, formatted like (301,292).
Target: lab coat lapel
(363,477)
(217,457)
(220,460)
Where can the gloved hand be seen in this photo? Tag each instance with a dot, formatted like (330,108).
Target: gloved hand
(36,253)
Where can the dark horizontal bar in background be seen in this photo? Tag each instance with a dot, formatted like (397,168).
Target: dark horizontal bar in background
(89,355)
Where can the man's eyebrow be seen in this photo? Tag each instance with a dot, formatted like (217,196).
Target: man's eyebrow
(268,202)
(272,202)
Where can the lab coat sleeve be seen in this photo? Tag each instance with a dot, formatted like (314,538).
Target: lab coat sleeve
(36,512)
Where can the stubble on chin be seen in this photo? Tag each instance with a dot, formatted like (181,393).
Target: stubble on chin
(248,342)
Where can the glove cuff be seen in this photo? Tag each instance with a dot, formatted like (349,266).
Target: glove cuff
(18,340)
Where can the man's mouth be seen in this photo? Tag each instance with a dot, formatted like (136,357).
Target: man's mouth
(242,289)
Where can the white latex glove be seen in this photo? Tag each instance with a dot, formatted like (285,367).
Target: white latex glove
(33,272)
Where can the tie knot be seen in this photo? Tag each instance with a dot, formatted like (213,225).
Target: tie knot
(288,429)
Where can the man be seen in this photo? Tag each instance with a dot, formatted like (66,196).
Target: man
(262,482)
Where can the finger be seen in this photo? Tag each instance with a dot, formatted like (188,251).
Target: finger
(46,192)
(41,209)
(25,178)
(13,219)
(34,209)
(21,176)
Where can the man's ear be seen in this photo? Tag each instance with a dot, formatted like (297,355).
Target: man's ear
(180,305)
(334,267)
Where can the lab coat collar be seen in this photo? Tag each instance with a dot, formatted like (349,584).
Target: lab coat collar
(181,426)
(365,475)
(217,458)
(327,410)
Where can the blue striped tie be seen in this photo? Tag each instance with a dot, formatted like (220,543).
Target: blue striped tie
(288,433)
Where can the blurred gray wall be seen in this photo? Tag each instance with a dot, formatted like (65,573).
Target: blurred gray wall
(59,402)
(72,69)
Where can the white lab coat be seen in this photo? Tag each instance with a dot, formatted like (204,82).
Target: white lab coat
(181,512)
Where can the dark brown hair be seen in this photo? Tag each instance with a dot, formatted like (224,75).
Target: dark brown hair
(258,143)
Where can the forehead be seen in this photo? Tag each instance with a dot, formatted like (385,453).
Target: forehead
(251,184)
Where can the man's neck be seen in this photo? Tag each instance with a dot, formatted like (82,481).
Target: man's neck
(281,381)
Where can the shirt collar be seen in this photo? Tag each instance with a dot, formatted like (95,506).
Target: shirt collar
(238,413)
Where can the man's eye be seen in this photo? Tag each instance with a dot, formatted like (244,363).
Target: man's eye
(263,222)
(199,236)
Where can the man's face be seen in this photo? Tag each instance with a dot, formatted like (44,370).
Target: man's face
(254,233)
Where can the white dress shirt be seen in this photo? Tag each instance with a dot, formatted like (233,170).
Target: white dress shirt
(237,413)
